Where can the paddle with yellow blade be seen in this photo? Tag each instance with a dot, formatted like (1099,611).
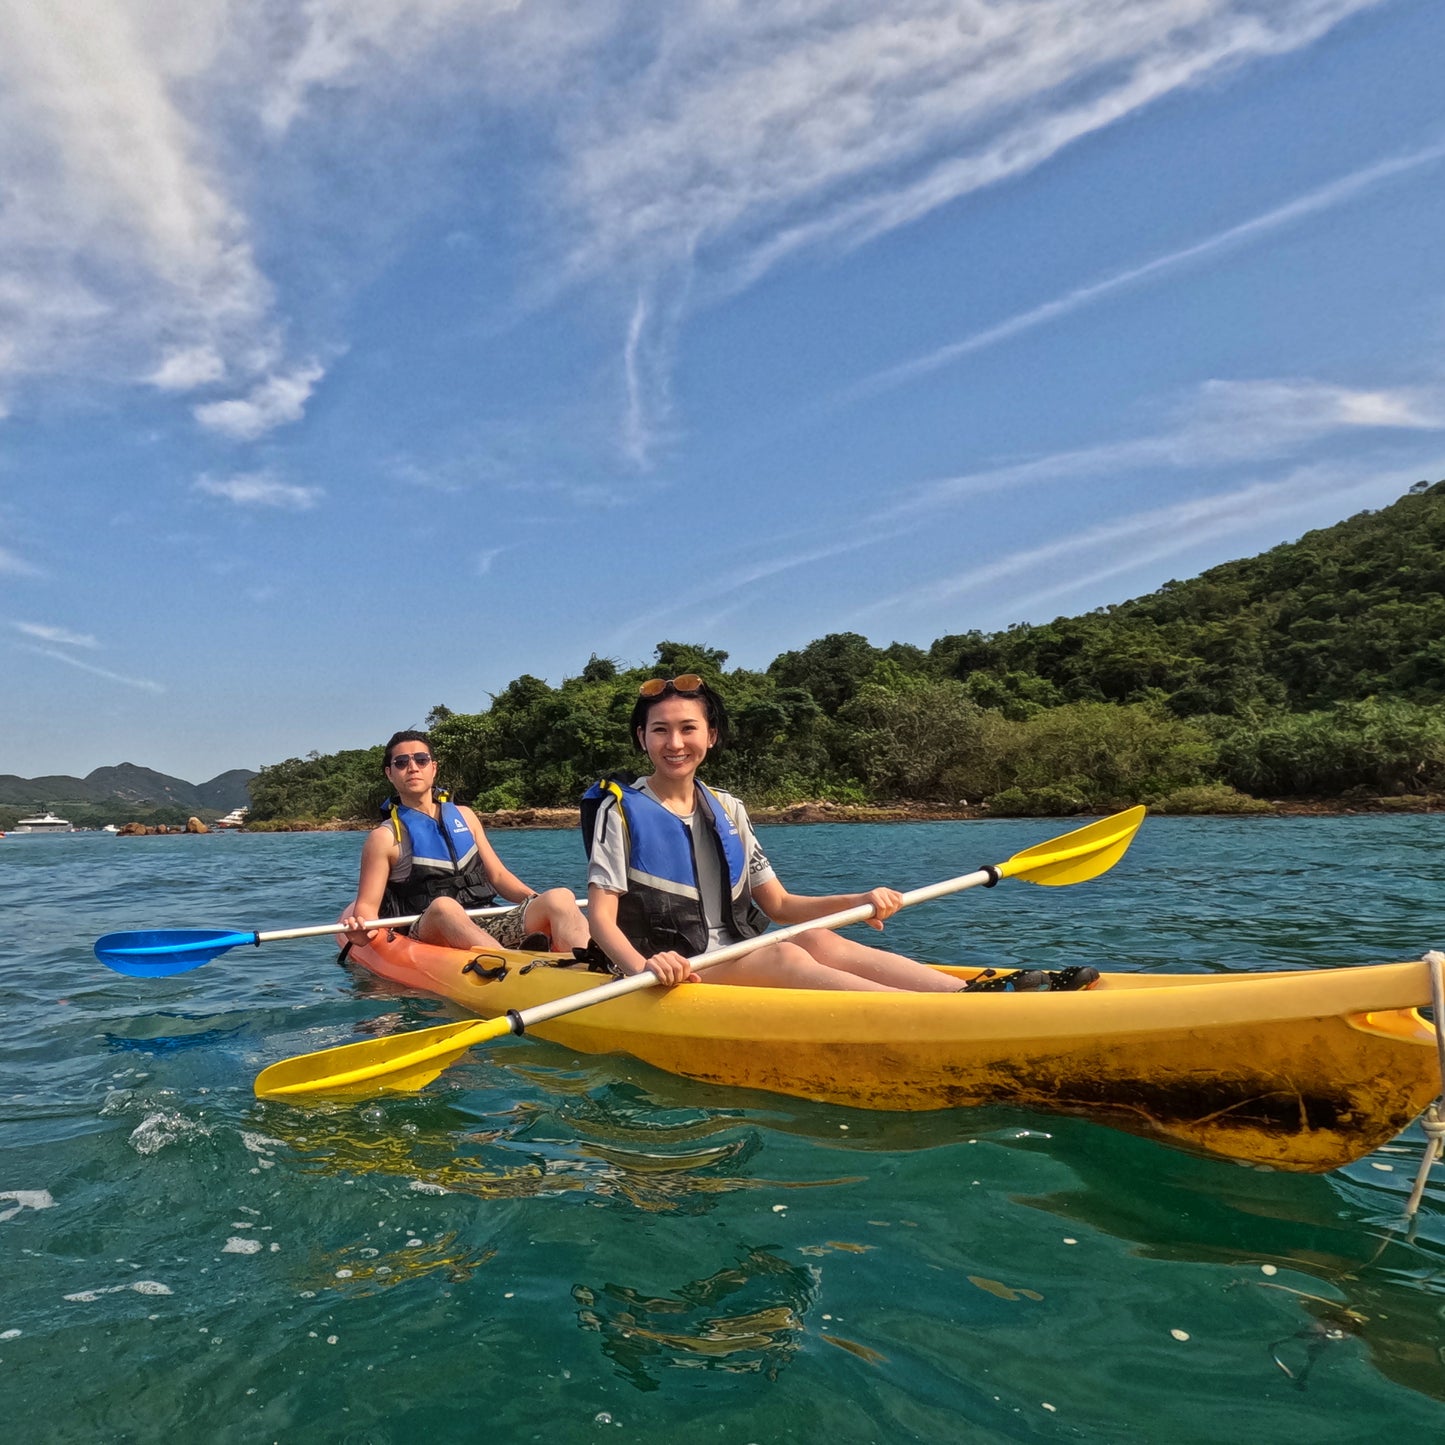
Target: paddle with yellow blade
(403,1063)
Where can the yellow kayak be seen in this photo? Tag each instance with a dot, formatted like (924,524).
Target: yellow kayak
(1303,1070)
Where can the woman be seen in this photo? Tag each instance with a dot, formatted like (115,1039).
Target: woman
(432,857)
(675,870)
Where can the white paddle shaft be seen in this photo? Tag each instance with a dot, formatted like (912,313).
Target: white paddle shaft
(323,928)
(541,1012)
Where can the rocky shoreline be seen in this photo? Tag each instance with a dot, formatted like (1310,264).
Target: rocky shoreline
(826,812)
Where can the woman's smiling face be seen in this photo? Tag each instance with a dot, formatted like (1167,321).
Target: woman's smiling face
(676,736)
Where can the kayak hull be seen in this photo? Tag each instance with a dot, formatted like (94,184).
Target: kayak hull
(1301,1070)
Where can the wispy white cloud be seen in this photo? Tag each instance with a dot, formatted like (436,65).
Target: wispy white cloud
(260,489)
(141,683)
(60,635)
(1336,193)
(486,558)
(188,367)
(13,565)
(707,599)
(271,403)
(636,435)
(714,137)
(762,130)
(117,229)
(1130,544)
(1225,423)
(743,136)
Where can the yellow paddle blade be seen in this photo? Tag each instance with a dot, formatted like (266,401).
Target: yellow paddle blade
(398,1064)
(1078,856)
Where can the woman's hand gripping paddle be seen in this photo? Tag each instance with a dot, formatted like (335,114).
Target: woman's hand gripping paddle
(403,1063)
(156,953)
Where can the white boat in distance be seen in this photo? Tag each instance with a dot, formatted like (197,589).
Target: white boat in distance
(48,824)
(236,818)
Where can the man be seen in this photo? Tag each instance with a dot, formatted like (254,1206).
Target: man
(432,857)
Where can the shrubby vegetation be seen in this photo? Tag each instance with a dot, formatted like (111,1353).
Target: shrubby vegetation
(316,789)
(1314,670)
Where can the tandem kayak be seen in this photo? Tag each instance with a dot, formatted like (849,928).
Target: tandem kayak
(1301,1070)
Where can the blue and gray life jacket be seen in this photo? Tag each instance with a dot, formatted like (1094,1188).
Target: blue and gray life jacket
(662,909)
(439,859)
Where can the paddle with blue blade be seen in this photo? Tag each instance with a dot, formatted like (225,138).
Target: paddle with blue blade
(160,952)
(403,1063)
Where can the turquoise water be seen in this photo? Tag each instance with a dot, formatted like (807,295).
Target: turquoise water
(561,1248)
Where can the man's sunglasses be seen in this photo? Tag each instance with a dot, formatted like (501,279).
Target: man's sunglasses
(689,682)
(400,760)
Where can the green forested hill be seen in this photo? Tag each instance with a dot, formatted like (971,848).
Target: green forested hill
(1349,612)
(1316,669)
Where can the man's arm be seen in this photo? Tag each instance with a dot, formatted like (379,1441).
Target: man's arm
(501,878)
(378,854)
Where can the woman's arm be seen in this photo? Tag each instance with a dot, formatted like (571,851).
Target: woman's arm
(602,918)
(784,907)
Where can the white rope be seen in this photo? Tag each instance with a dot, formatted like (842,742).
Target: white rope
(1432,1123)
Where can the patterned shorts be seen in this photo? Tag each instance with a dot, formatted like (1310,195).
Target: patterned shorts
(507,928)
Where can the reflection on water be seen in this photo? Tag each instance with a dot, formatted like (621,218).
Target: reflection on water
(1339,1274)
(747,1319)
(168,1033)
(530,1151)
(357,1270)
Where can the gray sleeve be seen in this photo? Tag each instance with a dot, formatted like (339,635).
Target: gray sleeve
(759,869)
(607,868)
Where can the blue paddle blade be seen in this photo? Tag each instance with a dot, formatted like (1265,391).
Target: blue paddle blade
(159,952)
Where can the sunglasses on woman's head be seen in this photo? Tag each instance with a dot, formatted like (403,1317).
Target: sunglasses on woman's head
(400,760)
(656,686)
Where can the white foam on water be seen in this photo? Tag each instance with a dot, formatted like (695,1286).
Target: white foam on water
(236,1245)
(25,1199)
(10,1335)
(140,1286)
(422,1186)
(155,1131)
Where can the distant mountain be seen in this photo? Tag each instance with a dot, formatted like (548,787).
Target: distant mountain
(129,786)
(226,791)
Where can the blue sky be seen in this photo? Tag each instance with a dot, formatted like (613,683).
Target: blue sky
(356,358)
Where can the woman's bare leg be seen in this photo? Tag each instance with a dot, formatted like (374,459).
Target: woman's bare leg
(786,965)
(876,964)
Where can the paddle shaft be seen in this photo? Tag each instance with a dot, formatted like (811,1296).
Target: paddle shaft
(541,1012)
(324,928)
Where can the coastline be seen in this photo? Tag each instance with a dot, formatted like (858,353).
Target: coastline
(826,812)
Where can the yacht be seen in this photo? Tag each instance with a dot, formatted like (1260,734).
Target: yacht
(236,818)
(48,824)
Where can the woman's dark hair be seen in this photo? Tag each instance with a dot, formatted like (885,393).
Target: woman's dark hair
(411,736)
(717,714)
